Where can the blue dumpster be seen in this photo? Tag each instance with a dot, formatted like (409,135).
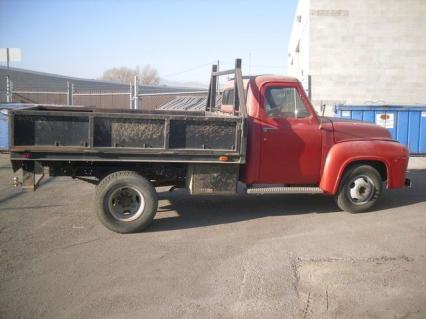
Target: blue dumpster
(4,122)
(3,130)
(407,124)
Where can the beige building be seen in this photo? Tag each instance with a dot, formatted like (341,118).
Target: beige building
(360,51)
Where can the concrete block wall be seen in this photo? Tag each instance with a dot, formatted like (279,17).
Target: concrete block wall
(298,55)
(363,51)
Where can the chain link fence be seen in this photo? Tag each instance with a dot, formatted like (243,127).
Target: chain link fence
(23,86)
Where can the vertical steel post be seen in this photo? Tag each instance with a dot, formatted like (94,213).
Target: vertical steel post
(11,90)
(8,90)
(213,89)
(7,57)
(135,92)
(72,93)
(239,89)
(70,89)
(8,95)
(218,78)
(309,87)
(130,95)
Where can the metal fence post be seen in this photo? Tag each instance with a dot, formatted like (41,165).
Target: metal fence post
(130,96)
(11,90)
(72,93)
(135,92)
(70,90)
(8,95)
(213,89)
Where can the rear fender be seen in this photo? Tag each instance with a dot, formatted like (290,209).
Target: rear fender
(341,155)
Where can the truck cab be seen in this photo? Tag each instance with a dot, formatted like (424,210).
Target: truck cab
(290,147)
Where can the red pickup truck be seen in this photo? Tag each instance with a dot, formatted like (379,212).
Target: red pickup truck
(263,138)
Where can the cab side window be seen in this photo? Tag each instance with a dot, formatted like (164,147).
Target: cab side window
(228,97)
(284,102)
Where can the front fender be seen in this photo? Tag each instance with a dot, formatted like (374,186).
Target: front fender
(392,154)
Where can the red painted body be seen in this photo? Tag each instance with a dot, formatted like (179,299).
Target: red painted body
(311,150)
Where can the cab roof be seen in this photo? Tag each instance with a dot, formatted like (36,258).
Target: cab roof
(259,80)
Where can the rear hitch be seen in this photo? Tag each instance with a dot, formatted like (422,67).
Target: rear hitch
(32,175)
(16,182)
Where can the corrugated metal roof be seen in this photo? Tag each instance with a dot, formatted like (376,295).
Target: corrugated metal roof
(188,103)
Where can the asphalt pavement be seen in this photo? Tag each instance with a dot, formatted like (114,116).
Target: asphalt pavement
(272,256)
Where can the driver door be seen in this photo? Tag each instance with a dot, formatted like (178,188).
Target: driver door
(291,146)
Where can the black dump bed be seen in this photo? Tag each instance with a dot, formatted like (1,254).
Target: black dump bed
(84,133)
(52,133)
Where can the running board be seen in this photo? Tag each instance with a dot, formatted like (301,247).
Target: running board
(283,190)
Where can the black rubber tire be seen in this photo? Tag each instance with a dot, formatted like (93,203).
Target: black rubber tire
(343,199)
(120,179)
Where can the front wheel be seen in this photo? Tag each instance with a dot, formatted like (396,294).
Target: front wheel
(360,189)
(126,202)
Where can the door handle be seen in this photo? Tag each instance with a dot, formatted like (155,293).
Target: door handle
(269,129)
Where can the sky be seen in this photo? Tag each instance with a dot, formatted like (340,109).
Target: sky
(181,39)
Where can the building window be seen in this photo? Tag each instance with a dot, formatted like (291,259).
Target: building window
(299,19)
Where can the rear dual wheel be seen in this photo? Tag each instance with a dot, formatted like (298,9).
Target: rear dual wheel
(126,202)
(360,189)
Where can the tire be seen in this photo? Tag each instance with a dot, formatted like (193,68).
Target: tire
(360,189)
(125,202)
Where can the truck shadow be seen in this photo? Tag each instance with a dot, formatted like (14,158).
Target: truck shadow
(17,193)
(182,211)
(406,196)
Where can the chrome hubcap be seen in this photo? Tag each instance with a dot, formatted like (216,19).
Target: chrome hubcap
(361,189)
(126,203)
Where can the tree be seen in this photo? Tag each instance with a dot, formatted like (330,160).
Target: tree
(148,75)
(123,74)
